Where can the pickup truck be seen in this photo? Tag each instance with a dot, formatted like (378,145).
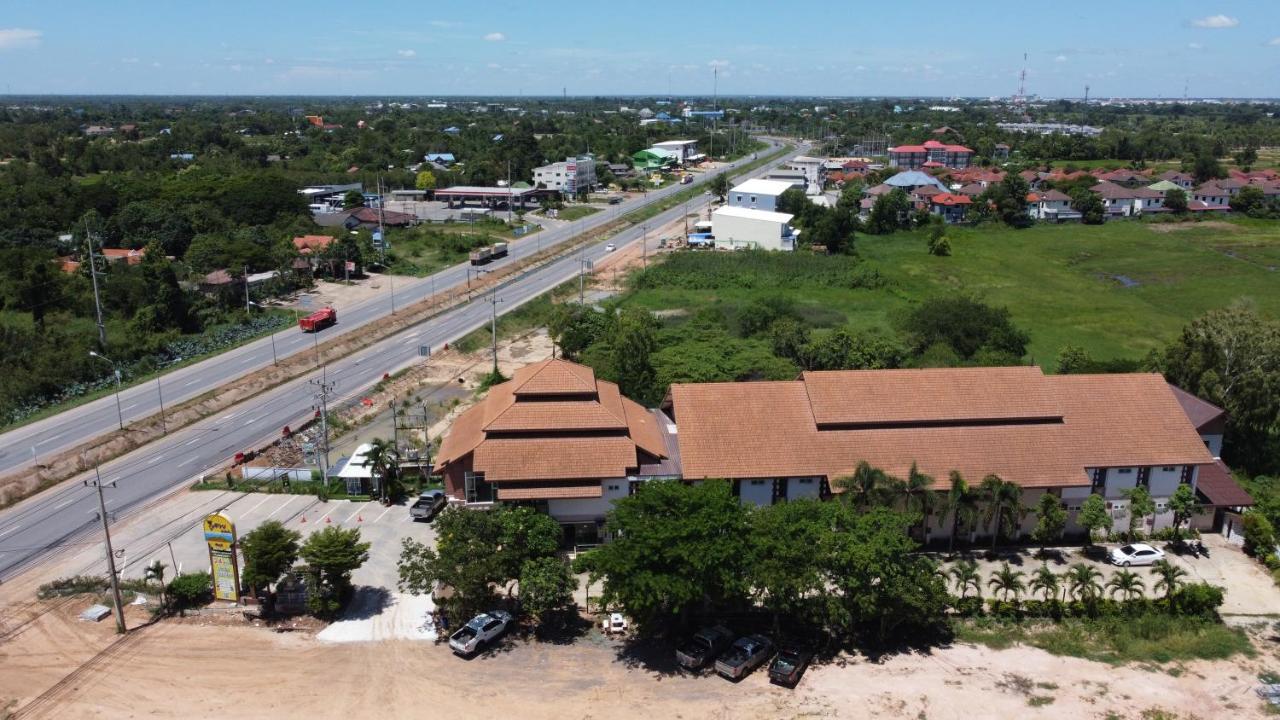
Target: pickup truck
(482,630)
(789,665)
(703,647)
(745,655)
(427,505)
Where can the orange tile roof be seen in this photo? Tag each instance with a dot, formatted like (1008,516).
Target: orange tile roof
(881,397)
(554,458)
(1035,430)
(554,377)
(555,415)
(306,244)
(551,492)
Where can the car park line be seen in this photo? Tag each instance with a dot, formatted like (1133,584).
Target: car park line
(255,507)
(282,506)
(384,512)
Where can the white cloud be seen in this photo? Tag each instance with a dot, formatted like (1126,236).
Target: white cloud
(236,68)
(13,38)
(722,64)
(1275,42)
(494,66)
(406,53)
(269,61)
(495,37)
(155,64)
(1195,46)
(1060,58)
(1216,22)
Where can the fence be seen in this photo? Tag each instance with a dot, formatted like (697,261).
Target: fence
(272,474)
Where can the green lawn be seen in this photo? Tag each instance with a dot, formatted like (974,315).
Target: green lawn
(1064,284)
(424,249)
(576,212)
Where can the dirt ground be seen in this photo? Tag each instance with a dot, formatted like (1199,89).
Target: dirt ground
(216,667)
(1222,225)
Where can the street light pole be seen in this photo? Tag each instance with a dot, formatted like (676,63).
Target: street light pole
(274,359)
(111,558)
(493,323)
(164,427)
(119,412)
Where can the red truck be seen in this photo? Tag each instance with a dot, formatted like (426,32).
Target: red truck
(318,320)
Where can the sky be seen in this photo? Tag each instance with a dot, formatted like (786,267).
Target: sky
(1120,48)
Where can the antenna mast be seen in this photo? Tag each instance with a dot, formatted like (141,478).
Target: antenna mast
(1021,98)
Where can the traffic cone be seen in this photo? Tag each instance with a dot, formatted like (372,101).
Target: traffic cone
(304,518)
(359,518)
(327,521)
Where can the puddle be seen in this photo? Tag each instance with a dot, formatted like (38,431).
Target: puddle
(1123,280)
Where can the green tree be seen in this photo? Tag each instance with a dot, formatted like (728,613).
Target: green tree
(189,590)
(890,212)
(719,185)
(786,564)
(425,180)
(1245,157)
(939,245)
(1184,505)
(154,573)
(967,326)
(1089,205)
(384,464)
(1176,200)
(634,341)
(1206,167)
(546,586)
(676,548)
(1094,516)
(353,199)
(1231,358)
(1259,534)
(1083,579)
(1051,520)
(1249,200)
(965,574)
(1004,505)
(333,554)
(269,551)
(962,506)
(1170,578)
(867,487)
(575,328)
(1140,506)
(1126,583)
(1010,199)
(1007,582)
(1045,582)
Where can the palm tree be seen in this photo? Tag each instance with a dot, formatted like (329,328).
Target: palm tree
(384,463)
(1083,580)
(1004,503)
(921,498)
(1126,583)
(1007,581)
(962,503)
(867,486)
(1045,581)
(965,573)
(1170,578)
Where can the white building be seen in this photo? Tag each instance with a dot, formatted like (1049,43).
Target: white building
(759,194)
(739,228)
(811,167)
(686,151)
(570,177)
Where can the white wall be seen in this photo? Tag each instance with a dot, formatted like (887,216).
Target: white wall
(1164,482)
(734,233)
(1118,480)
(800,488)
(577,508)
(755,492)
(1214,443)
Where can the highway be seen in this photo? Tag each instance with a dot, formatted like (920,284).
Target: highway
(68,513)
(23,446)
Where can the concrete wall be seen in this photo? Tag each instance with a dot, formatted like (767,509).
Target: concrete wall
(1214,443)
(754,201)
(803,488)
(735,233)
(578,509)
(755,492)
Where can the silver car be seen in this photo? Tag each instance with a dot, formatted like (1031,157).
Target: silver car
(1136,554)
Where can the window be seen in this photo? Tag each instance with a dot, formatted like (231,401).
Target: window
(613,488)
(758,482)
(1125,471)
(1168,468)
(806,481)
(476,489)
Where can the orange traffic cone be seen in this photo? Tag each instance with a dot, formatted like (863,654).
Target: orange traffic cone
(304,518)
(359,518)
(327,521)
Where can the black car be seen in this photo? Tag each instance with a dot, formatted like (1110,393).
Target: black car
(787,668)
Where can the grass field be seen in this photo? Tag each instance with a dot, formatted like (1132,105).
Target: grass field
(1117,290)
(1145,639)
(576,212)
(424,249)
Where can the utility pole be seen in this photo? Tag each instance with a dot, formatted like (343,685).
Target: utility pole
(493,324)
(248,311)
(111,558)
(97,300)
(644,246)
(323,394)
(164,427)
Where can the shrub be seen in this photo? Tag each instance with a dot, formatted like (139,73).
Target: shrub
(190,590)
(1198,599)
(75,585)
(1259,535)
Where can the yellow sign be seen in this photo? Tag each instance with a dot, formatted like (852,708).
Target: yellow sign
(220,534)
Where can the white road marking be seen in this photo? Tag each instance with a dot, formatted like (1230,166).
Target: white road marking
(12,529)
(193,382)
(282,506)
(356,513)
(192,442)
(130,407)
(322,517)
(64,503)
(188,461)
(255,507)
(49,440)
(155,459)
(251,421)
(384,512)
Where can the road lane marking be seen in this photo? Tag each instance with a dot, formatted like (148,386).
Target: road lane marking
(188,461)
(193,382)
(282,506)
(192,442)
(322,517)
(384,512)
(49,440)
(130,407)
(12,529)
(356,513)
(64,503)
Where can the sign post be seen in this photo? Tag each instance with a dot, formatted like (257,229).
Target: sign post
(220,535)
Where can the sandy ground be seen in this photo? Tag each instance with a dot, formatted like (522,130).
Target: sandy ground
(1169,227)
(200,665)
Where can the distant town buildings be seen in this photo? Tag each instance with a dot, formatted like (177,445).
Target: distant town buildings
(931,154)
(570,177)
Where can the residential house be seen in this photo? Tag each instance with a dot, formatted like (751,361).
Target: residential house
(370,219)
(930,154)
(1215,486)
(556,437)
(652,159)
(1051,206)
(1124,176)
(1000,152)
(952,208)
(913,179)
(1119,201)
(811,168)
(742,228)
(759,194)
(128,256)
(442,160)
(972,190)
(312,244)
(1211,196)
(1181,179)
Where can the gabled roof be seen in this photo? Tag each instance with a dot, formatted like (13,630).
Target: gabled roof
(1198,411)
(1048,196)
(1219,488)
(307,244)
(553,377)
(948,199)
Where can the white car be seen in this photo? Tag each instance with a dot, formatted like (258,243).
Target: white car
(482,630)
(1136,554)
(610,247)
(615,623)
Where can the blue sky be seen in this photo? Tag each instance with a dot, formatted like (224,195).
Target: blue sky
(1119,47)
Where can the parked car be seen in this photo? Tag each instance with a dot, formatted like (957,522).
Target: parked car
(482,630)
(746,654)
(1136,554)
(428,504)
(615,623)
(703,647)
(789,665)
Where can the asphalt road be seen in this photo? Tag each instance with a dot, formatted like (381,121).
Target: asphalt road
(68,513)
(21,447)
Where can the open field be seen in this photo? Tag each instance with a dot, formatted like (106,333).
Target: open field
(1117,290)
(424,249)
